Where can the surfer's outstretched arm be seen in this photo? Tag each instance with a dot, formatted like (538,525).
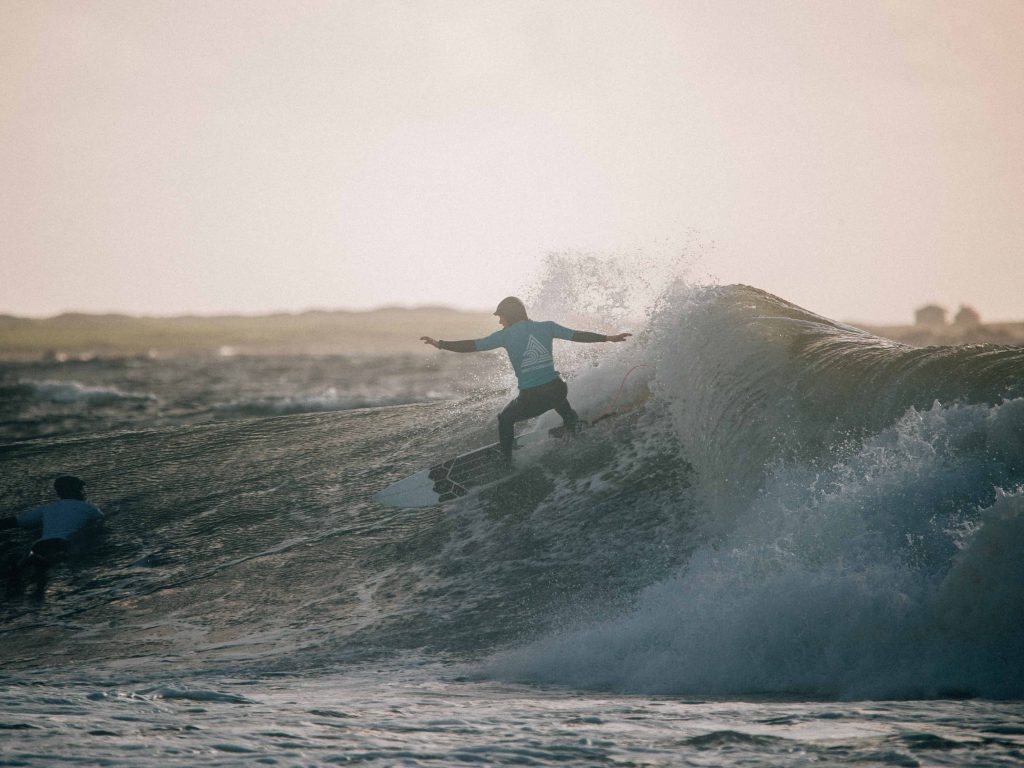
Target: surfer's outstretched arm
(451,346)
(586,337)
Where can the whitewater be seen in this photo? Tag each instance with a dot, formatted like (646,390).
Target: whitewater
(794,543)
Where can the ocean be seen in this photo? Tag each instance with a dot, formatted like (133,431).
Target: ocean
(791,543)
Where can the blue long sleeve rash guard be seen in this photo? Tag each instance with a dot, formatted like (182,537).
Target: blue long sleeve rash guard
(528,343)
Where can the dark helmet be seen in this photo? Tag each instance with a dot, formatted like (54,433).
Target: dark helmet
(512,309)
(69,486)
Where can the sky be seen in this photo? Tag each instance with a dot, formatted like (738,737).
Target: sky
(858,158)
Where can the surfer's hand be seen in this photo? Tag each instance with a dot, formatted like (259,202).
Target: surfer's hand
(430,341)
(619,337)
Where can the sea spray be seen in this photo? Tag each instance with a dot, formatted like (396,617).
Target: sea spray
(841,502)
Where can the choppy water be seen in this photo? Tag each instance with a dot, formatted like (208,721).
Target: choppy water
(95,394)
(803,547)
(403,715)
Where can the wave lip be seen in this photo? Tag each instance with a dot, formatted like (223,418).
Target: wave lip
(753,380)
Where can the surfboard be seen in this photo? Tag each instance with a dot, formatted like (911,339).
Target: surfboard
(454,478)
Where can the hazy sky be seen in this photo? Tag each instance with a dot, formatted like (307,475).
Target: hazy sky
(858,158)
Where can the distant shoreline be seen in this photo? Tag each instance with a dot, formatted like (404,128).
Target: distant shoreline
(951,334)
(389,330)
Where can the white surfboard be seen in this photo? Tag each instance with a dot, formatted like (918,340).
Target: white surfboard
(456,477)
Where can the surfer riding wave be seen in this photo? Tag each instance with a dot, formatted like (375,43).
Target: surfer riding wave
(529,346)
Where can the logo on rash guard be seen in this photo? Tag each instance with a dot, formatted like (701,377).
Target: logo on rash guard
(536,355)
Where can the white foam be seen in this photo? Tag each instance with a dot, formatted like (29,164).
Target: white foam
(895,572)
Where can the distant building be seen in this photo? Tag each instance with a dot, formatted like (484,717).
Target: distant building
(931,315)
(967,317)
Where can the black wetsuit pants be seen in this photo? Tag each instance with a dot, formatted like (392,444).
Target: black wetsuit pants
(35,565)
(533,402)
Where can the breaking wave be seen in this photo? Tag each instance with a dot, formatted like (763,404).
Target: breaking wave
(860,517)
(785,504)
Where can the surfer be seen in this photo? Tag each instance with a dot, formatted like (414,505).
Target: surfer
(528,344)
(66,524)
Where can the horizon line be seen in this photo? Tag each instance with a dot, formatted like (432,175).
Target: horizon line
(254,314)
(380,308)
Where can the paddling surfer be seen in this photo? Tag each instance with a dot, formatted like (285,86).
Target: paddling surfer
(529,347)
(66,525)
